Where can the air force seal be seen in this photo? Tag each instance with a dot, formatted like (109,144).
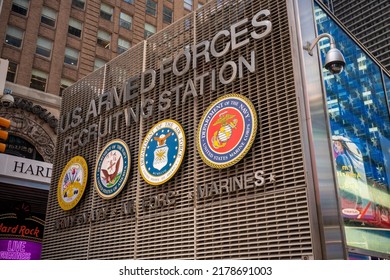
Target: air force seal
(226,131)
(162,152)
(112,169)
(72,183)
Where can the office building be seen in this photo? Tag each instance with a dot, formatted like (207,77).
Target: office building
(369,22)
(52,44)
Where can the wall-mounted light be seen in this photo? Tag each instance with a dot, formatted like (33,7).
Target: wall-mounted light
(334,60)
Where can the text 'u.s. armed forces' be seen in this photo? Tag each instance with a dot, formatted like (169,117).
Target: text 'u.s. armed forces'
(233,38)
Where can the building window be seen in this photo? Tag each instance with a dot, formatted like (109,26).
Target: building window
(14,36)
(103,39)
(151,7)
(44,47)
(64,84)
(48,16)
(149,30)
(125,21)
(38,80)
(188,5)
(11,73)
(78,4)
(129,1)
(20,6)
(123,45)
(71,56)
(75,27)
(167,15)
(106,11)
(99,63)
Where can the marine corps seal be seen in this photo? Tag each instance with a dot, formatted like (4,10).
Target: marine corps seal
(226,131)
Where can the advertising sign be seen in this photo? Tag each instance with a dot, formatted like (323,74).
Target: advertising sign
(11,249)
(31,170)
(364,201)
(20,234)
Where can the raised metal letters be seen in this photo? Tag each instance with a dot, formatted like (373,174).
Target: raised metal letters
(177,95)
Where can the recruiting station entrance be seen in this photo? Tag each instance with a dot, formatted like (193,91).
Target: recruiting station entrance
(196,144)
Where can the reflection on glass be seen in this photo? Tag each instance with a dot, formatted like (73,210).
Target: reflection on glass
(387,85)
(360,127)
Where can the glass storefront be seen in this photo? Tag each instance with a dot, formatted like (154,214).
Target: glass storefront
(20,147)
(358,108)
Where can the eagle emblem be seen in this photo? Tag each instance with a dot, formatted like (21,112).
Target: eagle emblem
(112,168)
(162,152)
(72,183)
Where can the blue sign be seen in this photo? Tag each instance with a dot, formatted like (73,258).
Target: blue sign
(162,152)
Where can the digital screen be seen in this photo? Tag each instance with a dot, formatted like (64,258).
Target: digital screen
(20,250)
(363,200)
(360,126)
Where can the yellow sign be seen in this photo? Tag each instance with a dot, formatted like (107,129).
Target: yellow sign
(72,183)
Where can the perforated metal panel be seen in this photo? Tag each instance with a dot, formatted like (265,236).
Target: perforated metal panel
(266,222)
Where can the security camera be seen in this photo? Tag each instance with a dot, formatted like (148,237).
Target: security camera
(334,61)
(7,100)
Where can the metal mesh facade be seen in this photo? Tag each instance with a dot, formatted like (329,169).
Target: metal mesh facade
(267,222)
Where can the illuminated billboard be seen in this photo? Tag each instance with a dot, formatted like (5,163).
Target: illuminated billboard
(11,249)
(359,122)
(20,234)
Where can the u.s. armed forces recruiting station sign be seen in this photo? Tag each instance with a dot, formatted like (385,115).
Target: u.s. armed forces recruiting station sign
(224,136)
(178,66)
(162,152)
(72,183)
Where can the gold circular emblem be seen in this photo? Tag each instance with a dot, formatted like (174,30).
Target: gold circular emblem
(112,169)
(162,152)
(226,131)
(72,183)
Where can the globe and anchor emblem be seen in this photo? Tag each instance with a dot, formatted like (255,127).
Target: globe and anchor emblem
(227,123)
